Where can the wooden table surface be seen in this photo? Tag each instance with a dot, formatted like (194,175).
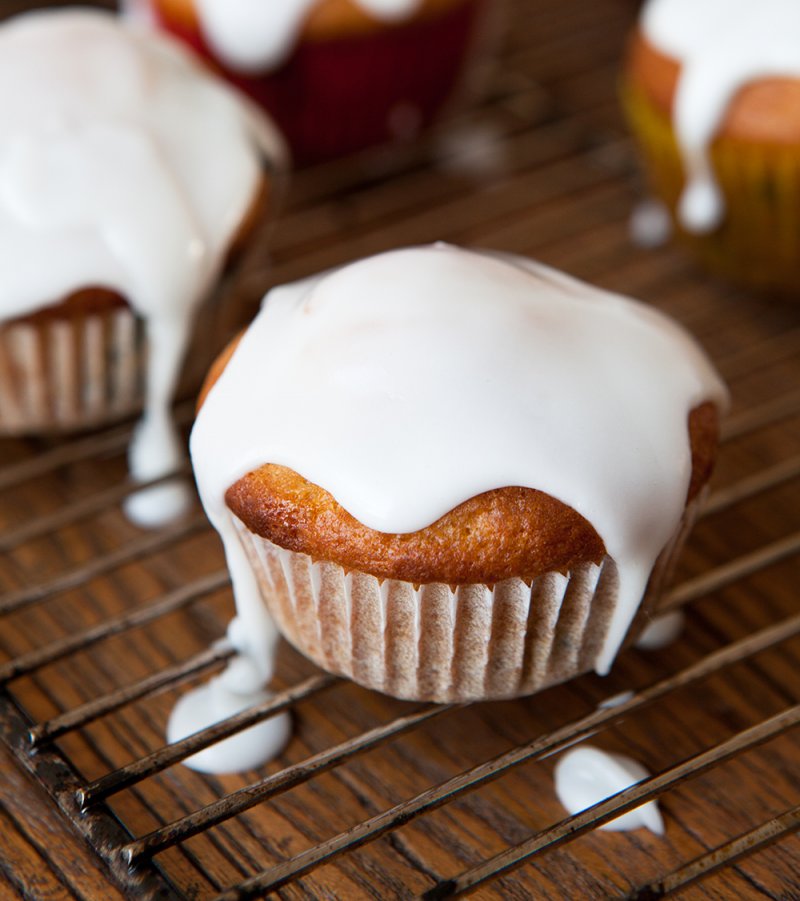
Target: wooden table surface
(541,166)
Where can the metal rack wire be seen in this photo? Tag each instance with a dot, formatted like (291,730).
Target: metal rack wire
(34,743)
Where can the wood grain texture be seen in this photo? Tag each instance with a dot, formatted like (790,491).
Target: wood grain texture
(40,853)
(543,167)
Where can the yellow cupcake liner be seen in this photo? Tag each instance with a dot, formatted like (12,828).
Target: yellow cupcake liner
(758,242)
(446,644)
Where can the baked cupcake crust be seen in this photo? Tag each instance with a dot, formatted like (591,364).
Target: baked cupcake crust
(765,110)
(504,533)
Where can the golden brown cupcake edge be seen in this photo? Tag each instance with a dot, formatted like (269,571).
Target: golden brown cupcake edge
(504,533)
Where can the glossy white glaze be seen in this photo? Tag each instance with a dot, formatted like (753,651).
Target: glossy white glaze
(238,688)
(721,46)
(409,382)
(123,164)
(585,776)
(260,35)
(650,224)
(661,631)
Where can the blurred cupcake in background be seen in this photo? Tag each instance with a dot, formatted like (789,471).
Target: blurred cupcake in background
(712,93)
(130,178)
(336,75)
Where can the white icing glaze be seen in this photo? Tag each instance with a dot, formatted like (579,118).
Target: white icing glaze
(721,45)
(122,164)
(476,150)
(409,382)
(138,11)
(585,776)
(662,631)
(258,36)
(650,224)
(616,700)
(214,702)
(239,687)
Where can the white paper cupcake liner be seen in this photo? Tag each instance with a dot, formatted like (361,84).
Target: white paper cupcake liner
(63,374)
(437,643)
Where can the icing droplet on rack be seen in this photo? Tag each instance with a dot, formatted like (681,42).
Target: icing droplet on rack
(585,776)
(214,702)
(650,225)
(662,631)
(240,686)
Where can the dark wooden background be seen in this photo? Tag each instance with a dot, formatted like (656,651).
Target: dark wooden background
(541,166)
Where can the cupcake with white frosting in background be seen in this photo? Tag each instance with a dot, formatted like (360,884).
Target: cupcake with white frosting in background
(337,76)
(453,475)
(712,93)
(130,180)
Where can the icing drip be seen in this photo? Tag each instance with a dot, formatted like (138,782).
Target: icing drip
(122,164)
(387,371)
(214,702)
(258,36)
(662,631)
(721,45)
(239,687)
(650,225)
(585,776)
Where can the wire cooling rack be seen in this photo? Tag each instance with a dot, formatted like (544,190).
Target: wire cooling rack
(37,744)
(102,626)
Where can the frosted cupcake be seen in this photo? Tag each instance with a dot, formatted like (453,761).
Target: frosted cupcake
(129,177)
(453,475)
(712,92)
(336,75)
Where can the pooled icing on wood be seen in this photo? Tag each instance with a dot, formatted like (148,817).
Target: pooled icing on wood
(409,382)
(260,35)
(721,45)
(123,165)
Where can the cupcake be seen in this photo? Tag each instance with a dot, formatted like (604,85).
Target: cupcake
(336,75)
(712,94)
(129,179)
(454,475)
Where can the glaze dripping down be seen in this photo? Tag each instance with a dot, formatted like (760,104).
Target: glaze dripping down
(122,165)
(258,36)
(721,45)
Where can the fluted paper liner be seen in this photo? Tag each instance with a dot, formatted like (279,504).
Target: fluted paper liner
(756,244)
(66,373)
(437,643)
(61,374)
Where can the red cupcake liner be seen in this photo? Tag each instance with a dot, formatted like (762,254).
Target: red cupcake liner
(335,97)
